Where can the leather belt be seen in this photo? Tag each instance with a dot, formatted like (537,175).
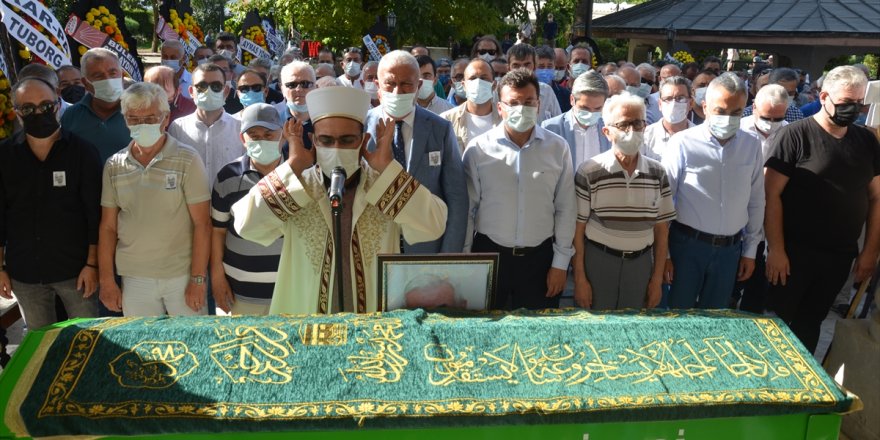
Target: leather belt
(626,255)
(522,250)
(714,240)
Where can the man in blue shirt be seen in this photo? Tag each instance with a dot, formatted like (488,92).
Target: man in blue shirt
(97,117)
(716,175)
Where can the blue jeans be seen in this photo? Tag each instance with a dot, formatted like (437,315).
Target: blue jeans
(704,274)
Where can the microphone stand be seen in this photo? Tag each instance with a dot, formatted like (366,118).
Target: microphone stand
(336,207)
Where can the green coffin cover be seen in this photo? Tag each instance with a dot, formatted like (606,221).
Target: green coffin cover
(418,369)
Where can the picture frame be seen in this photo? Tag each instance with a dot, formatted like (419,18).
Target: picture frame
(452,281)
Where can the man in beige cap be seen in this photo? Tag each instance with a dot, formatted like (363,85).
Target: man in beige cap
(381,202)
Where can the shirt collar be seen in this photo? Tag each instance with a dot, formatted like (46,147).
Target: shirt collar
(611,163)
(501,136)
(169,148)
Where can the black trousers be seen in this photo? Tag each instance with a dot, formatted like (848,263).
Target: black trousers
(754,289)
(815,280)
(522,280)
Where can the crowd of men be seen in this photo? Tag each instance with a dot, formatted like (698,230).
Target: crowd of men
(638,185)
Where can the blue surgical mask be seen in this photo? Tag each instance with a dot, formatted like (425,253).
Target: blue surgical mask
(173,64)
(297,108)
(458,87)
(579,69)
(545,75)
(251,97)
(723,126)
(443,78)
(586,117)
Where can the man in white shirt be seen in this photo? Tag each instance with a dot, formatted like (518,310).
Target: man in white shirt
(522,203)
(523,56)
(351,66)
(174,57)
(582,126)
(768,117)
(211,131)
(478,114)
(426,97)
(675,103)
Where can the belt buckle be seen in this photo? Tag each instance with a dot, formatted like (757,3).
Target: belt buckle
(626,254)
(719,241)
(518,251)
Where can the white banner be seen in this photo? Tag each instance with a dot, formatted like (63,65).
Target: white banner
(46,18)
(3,62)
(272,40)
(33,39)
(192,44)
(254,48)
(375,55)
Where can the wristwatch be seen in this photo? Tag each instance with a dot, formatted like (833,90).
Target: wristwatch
(198,280)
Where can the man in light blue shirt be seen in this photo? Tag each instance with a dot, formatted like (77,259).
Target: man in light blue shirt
(522,202)
(716,175)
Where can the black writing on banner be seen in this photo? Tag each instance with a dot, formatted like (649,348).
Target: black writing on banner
(254,48)
(35,41)
(272,40)
(44,17)
(90,37)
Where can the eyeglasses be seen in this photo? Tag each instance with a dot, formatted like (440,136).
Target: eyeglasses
(294,84)
(637,125)
(486,51)
(680,99)
(216,86)
(764,118)
(247,88)
(138,120)
(41,108)
(345,141)
(458,78)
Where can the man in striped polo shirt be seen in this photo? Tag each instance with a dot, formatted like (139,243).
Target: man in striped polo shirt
(243,272)
(624,206)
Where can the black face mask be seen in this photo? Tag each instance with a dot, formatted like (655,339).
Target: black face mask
(844,114)
(73,94)
(40,125)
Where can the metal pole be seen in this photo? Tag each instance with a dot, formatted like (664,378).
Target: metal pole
(337,226)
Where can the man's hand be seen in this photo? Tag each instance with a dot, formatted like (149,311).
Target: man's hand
(222,292)
(382,156)
(668,271)
(864,267)
(655,292)
(196,296)
(555,281)
(111,296)
(583,293)
(5,285)
(300,158)
(778,268)
(746,267)
(87,281)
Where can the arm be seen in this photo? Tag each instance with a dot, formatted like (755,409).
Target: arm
(90,195)
(778,267)
(455,192)
(583,291)
(110,294)
(200,215)
(472,177)
(866,262)
(563,226)
(220,221)
(5,281)
(755,224)
(661,249)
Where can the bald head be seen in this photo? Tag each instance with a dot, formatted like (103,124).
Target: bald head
(630,75)
(669,71)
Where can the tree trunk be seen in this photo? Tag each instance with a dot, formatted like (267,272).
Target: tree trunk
(155,45)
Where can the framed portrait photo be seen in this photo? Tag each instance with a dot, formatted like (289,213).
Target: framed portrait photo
(434,281)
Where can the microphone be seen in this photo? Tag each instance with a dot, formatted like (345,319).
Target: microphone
(337,187)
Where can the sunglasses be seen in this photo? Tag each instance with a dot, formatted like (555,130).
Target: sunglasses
(216,86)
(486,51)
(772,119)
(41,108)
(247,88)
(294,84)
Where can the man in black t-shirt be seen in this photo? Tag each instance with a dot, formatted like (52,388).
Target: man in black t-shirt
(822,184)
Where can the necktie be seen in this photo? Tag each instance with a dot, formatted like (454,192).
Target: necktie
(397,147)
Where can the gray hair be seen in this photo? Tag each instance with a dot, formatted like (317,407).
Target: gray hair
(96,53)
(143,95)
(772,93)
(649,68)
(399,58)
(624,99)
(844,77)
(327,81)
(325,67)
(590,82)
(174,44)
(729,81)
(677,81)
(616,78)
(297,65)
(262,63)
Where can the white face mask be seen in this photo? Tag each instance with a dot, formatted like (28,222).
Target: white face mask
(108,90)
(767,127)
(488,58)
(263,152)
(674,112)
(700,95)
(586,117)
(426,89)
(723,126)
(521,118)
(146,135)
(628,142)
(371,89)
(579,69)
(210,100)
(478,91)
(459,89)
(329,158)
(559,75)
(352,68)
(397,105)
